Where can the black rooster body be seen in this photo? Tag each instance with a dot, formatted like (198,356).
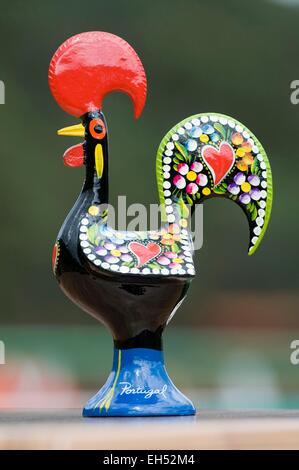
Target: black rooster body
(131,281)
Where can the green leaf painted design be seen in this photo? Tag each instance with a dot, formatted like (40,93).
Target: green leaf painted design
(182,151)
(254,213)
(92,233)
(225,132)
(219,190)
(154,266)
(183,208)
(97,241)
(189,200)
(255,166)
(104,214)
(175,248)
(253,210)
(221,129)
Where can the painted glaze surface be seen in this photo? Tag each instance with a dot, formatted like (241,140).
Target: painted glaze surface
(138,386)
(133,282)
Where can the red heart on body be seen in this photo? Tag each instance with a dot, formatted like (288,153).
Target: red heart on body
(144,253)
(220,162)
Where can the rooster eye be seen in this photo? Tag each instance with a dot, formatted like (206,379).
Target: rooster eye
(97,128)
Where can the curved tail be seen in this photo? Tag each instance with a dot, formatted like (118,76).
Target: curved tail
(213,155)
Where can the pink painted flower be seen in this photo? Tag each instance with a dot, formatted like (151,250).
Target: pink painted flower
(196,166)
(189,177)
(183,168)
(191,188)
(173,266)
(179,181)
(202,180)
(163,260)
(170,254)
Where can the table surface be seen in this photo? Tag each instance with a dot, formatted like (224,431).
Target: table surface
(210,429)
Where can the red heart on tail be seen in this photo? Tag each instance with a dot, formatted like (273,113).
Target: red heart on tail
(144,253)
(220,162)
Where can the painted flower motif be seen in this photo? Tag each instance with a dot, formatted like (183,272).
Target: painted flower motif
(204,138)
(243,151)
(171,259)
(170,238)
(247,188)
(154,236)
(191,145)
(126,258)
(109,246)
(175,263)
(163,260)
(170,254)
(101,251)
(123,249)
(189,177)
(237,138)
(111,249)
(203,133)
(111,259)
(116,238)
(179,181)
(116,253)
(191,188)
(207,129)
(215,137)
(174,228)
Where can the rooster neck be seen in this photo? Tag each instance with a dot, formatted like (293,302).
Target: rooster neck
(98,185)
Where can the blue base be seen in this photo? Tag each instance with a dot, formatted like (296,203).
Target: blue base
(138,385)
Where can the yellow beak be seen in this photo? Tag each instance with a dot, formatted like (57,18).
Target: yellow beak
(77,131)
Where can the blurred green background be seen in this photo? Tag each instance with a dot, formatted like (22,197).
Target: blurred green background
(233,57)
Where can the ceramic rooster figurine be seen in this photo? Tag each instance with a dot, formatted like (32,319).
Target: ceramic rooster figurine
(134,282)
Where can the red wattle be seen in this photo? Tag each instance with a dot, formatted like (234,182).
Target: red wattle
(74,156)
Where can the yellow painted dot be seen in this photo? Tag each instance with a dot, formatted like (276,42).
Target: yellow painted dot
(93,210)
(176,238)
(206,191)
(167,236)
(204,138)
(177,260)
(246,147)
(183,223)
(240,152)
(191,176)
(115,252)
(246,187)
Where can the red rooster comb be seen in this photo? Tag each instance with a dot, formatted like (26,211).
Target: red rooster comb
(88,66)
